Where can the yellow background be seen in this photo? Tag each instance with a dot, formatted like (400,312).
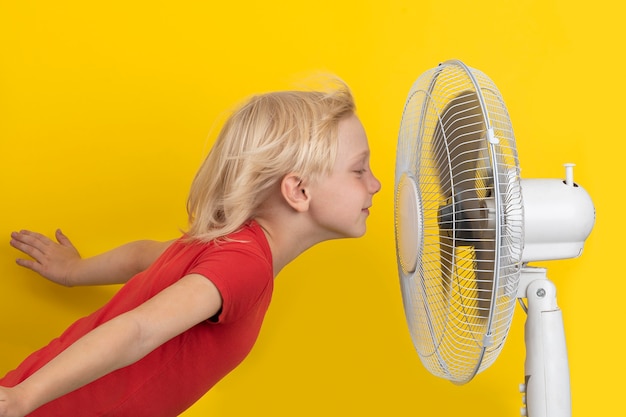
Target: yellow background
(107,109)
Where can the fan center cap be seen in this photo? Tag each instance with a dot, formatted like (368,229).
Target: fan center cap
(408,218)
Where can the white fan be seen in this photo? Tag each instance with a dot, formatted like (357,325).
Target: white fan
(466,227)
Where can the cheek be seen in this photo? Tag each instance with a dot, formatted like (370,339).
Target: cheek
(342,194)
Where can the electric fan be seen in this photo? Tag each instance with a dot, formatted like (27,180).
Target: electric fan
(466,227)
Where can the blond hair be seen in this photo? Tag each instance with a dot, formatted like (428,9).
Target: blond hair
(268,137)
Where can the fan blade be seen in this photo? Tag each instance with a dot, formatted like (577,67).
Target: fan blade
(459,151)
(485,263)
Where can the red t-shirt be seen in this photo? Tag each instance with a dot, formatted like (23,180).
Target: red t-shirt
(175,375)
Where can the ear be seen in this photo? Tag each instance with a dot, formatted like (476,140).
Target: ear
(294,192)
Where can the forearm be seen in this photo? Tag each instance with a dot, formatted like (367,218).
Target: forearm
(111,346)
(116,266)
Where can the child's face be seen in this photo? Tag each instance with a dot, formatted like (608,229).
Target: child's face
(340,202)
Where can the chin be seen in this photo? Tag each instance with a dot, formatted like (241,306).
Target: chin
(357,231)
(360,233)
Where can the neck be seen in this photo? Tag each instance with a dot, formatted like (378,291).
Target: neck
(289,231)
(285,243)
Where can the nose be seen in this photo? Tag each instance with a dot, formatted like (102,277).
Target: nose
(374,184)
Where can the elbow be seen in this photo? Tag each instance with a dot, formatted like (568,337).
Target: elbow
(136,340)
(145,252)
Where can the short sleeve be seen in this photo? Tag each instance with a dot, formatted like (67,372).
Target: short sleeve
(242,274)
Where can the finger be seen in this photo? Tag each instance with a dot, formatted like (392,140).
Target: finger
(31,238)
(25,245)
(62,239)
(32,265)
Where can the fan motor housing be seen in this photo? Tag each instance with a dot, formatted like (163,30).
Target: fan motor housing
(558,217)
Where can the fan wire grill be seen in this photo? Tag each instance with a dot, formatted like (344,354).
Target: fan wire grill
(456,146)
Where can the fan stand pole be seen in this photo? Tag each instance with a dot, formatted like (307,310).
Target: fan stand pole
(547,385)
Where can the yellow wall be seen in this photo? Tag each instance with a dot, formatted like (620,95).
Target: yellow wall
(105,111)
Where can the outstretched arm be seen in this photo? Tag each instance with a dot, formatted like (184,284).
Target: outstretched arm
(117,343)
(60,262)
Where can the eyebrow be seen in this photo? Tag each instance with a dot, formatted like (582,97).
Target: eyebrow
(361,155)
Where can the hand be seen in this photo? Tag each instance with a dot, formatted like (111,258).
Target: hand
(52,260)
(10,403)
